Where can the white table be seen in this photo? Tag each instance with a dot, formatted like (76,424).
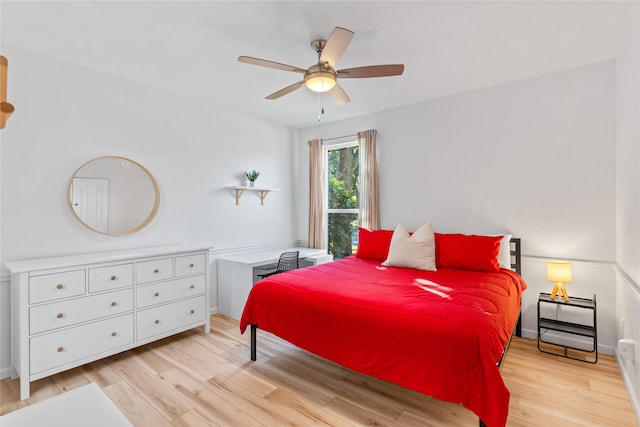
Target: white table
(238,273)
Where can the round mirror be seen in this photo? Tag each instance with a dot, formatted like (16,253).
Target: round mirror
(113,195)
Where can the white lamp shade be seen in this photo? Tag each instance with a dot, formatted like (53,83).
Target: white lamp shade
(559,272)
(320,82)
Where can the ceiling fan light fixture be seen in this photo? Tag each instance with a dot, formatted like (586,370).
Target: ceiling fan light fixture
(323,77)
(320,81)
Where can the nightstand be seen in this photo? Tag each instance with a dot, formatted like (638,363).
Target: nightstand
(547,323)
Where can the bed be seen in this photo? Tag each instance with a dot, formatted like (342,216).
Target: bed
(443,333)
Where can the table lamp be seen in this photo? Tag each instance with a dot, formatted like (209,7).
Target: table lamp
(559,273)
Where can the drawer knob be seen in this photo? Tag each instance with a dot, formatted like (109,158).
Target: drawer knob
(113,304)
(157,294)
(60,316)
(59,286)
(192,265)
(113,334)
(192,286)
(193,311)
(113,277)
(156,270)
(156,322)
(60,349)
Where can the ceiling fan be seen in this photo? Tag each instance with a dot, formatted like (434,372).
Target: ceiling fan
(322,77)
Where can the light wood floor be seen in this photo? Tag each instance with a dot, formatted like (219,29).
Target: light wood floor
(194,379)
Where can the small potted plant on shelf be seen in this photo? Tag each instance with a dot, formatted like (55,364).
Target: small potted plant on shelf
(252,176)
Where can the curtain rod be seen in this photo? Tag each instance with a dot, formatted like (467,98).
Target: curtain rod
(340,137)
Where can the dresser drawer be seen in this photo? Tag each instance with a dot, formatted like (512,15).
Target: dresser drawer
(66,313)
(111,277)
(63,347)
(190,264)
(158,320)
(168,291)
(56,286)
(152,271)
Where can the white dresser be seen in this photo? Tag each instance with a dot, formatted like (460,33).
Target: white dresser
(68,311)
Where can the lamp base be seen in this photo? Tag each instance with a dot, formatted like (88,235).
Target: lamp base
(559,290)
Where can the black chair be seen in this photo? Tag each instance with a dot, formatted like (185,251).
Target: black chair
(288,261)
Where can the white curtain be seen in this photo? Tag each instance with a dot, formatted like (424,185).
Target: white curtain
(316,234)
(369,203)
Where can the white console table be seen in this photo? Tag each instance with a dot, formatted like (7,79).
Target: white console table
(238,273)
(71,310)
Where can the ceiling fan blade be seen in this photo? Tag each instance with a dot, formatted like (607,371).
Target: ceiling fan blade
(336,45)
(270,64)
(371,71)
(339,95)
(286,90)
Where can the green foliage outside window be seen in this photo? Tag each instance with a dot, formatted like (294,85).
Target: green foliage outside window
(344,179)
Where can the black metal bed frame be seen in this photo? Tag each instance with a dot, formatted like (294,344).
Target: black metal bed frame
(516,265)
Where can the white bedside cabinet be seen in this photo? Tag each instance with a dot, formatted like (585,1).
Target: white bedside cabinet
(72,310)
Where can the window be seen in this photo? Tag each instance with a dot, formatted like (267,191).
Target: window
(343,183)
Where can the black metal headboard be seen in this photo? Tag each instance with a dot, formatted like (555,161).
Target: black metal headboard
(516,261)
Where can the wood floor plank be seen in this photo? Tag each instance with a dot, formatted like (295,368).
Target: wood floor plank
(256,384)
(102,373)
(353,394)
(134,406)
(407,399)
(150,360)
(248,403)
(200,369)
(283,378)
(10,397)
(152,388)
(356,415)
(193,379)
(309,411)
(241,397)
(438,417)
(71,379)
(193,419)
(208,403)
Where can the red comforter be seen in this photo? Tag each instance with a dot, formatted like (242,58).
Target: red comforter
(440,333)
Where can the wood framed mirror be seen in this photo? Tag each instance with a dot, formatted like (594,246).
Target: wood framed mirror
(113,195)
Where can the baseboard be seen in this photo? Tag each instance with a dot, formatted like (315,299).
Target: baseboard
(634,395)
(6,372)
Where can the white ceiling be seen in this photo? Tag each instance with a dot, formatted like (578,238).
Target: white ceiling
(190,48)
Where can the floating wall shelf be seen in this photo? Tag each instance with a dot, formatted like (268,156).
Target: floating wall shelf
(263,192)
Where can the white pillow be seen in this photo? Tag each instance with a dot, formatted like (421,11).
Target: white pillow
(504,255)
(416,251)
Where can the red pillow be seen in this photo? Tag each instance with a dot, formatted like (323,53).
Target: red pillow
(373,244)
(467,252)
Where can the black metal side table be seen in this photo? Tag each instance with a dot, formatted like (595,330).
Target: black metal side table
(548,324)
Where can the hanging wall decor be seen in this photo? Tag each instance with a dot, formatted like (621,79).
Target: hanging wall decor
(6,109)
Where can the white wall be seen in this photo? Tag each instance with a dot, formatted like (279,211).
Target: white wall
(628,204)
(535,158)
(66,115)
